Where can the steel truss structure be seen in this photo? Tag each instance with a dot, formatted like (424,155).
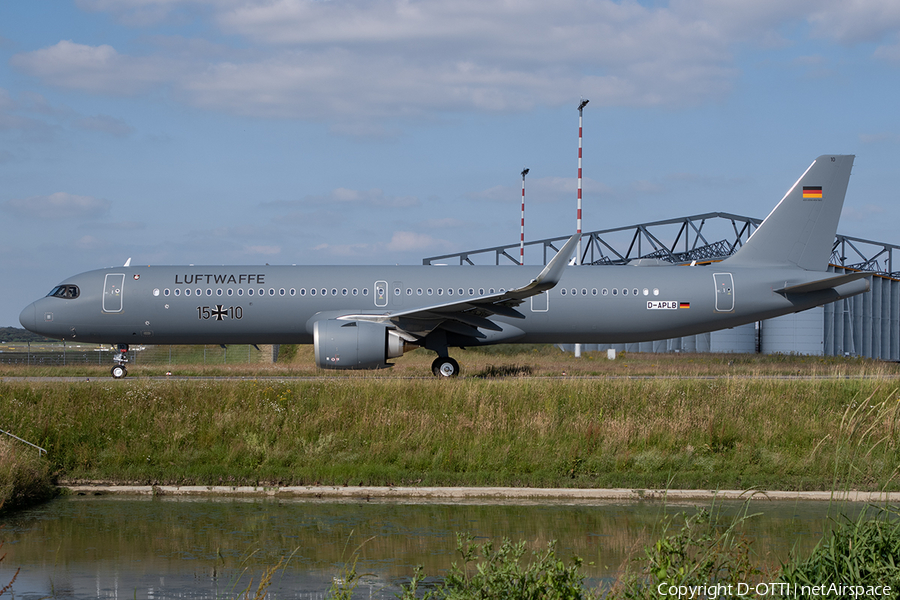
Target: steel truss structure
(688,241)
(866,325)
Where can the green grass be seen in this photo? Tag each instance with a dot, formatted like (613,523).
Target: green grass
(646,433)
(25,476)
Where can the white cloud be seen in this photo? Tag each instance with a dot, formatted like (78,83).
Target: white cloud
(264,250)
(58,206)
(358,63)
(855,21)
(401,242)
(98,69)
(541,190)
(411,241)
(866,213)
(876,138)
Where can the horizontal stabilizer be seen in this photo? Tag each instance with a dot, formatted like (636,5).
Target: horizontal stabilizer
(822,284)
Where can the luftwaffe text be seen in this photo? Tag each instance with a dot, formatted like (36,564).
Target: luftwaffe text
(187,279)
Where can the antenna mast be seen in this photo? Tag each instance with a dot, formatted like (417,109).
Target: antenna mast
(522,235)
(578,217)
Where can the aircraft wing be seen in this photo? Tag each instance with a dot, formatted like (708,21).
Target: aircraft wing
(467,317)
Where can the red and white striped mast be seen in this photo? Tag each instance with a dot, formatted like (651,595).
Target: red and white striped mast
(578,216)
(522,235)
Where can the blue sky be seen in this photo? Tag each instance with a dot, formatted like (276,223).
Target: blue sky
(384,131)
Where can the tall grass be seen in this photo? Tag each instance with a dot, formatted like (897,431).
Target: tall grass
(645,433)
(25,477)
(861,553)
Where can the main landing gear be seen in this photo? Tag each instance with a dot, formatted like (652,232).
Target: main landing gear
(121,359)
(444,366)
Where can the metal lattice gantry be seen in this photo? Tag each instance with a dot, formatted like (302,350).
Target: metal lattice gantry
(703,238)
(865,255)
(709,236)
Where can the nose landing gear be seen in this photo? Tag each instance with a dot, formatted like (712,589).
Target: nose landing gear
(121,359)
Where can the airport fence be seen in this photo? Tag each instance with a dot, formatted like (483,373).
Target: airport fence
(50,355)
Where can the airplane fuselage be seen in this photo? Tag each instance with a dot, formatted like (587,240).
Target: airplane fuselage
(278,304)
(361,317)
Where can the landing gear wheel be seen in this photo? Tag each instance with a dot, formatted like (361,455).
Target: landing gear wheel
(119,372)
(445,367)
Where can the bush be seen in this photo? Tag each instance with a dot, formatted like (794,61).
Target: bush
(500,574)
(700,554)
(861,553)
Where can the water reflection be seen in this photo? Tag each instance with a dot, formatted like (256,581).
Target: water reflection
(112,547)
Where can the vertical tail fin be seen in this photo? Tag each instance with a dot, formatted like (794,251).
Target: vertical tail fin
(800,230)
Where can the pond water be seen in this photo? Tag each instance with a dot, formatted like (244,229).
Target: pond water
(141,547)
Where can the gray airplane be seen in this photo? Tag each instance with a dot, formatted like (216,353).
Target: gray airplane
(360,317)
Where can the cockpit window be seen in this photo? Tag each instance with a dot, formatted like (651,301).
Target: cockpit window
(69,292)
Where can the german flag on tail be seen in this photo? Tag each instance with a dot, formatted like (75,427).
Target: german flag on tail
(812,192)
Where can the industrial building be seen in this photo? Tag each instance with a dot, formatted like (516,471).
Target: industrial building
(866,325)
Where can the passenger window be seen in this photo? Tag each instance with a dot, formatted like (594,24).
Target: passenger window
(604,292)
(355,291)
(624,291)
(177,292)
(563,291)
(187,292)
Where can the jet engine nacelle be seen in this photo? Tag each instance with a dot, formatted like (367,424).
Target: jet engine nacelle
(355,344)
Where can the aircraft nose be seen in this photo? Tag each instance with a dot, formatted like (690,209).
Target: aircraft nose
(26,318)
